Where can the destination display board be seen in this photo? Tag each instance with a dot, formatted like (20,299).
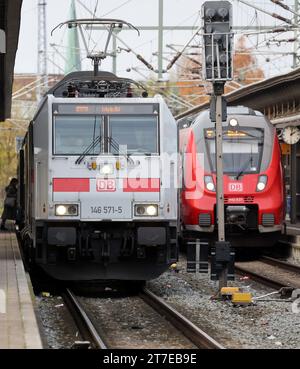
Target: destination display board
(106,109)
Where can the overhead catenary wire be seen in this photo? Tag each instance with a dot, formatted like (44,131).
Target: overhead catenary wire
(138,56)
(26,86)
(179,54)
(186,56)
(274,15)
(284,6)
(19,126)
(150,67)
(279,30)
(116,8)
(94,15)
(174,97)
(44,84)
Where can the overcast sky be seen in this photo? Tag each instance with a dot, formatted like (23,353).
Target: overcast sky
(139,12)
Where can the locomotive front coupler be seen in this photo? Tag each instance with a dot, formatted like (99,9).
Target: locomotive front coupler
(237,215)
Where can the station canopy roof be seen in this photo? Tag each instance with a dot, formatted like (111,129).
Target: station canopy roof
(10,16)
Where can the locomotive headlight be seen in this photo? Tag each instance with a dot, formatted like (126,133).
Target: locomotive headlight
(152,210)
(61,210)
(209,183)
(66,210)
(145,210)
(233,122)
(73,210)
(262,183)
(140,210)
(106,169)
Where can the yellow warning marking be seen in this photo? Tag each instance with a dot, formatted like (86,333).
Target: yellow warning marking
(228,291)
(241,298)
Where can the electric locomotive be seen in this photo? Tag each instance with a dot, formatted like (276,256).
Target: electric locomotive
(253,178)
(96,200)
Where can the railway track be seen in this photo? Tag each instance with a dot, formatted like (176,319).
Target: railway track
(271,272)
(187,328)
(91,334)
(282,264)
(83,322)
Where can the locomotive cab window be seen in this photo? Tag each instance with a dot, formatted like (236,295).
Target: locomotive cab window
(137,134)
(242,150)
(74,134)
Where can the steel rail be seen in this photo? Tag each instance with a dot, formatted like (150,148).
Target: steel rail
(259,278)
(82,320)
(197,336)
(271,282)
(282,264)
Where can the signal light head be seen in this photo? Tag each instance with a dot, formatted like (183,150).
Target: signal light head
(217,28)
(210,13)
(223,12)
(209,59)
(223,59)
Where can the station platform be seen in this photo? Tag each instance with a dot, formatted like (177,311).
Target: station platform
(292,238)
(18,324)
(293,229)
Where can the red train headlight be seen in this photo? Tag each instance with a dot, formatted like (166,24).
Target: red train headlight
(262,183)
(209,183)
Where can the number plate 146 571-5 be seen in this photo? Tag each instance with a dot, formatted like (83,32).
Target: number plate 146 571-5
(106,209)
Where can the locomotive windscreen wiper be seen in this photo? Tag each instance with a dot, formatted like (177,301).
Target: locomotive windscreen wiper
(116,146)
(91,146)
(244,167)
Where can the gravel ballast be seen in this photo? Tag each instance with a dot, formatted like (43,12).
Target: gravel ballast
(60,330)
(128,322)
(268,324)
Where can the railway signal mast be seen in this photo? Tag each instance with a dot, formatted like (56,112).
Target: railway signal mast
(218,69)
(42,66)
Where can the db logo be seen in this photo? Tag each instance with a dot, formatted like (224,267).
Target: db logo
(235,187)
(106,185)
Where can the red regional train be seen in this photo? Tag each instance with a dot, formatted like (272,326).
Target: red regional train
(253,178)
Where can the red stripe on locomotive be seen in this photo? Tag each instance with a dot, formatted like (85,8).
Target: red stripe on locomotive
(141,185)
(71,185)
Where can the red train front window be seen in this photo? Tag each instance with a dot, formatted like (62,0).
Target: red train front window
(242,150)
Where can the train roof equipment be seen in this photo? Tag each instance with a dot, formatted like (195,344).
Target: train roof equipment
(98,83)
(104,84)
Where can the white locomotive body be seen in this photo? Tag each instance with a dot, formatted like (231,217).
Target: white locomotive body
(98,183)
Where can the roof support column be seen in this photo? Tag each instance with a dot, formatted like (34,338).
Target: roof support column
(296,57)
(2,42)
